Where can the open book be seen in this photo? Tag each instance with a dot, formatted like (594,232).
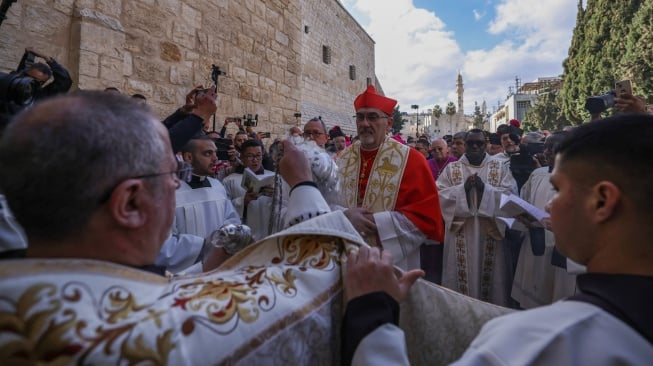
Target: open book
(523,213)
(253,182)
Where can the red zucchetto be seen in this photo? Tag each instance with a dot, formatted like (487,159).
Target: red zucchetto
(371,99)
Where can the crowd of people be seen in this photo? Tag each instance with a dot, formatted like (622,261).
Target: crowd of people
(169,231)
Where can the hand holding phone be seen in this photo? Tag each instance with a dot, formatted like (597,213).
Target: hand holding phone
(623,87)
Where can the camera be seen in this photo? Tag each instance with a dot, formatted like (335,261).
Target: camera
(17,88)
(223,145)
(599,103)
(250,121)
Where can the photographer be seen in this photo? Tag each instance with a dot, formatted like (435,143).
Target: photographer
(61,81)
(193,118)
(26,85)
(527,158)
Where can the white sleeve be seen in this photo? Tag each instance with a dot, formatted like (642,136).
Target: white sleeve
(305,202)
(398,234)
(179,252)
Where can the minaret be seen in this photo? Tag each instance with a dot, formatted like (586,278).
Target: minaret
(484,108)
(460,90)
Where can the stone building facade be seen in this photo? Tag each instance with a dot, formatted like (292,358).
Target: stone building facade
(281,57)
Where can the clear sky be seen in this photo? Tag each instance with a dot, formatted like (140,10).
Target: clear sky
(421,45)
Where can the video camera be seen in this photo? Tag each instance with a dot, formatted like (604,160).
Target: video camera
(600,103)
(17,87)
(223,145)
(250,121)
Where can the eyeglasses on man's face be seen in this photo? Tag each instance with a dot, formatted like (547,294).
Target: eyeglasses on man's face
(182,172)
(437,148)
(372,117)
(249,157)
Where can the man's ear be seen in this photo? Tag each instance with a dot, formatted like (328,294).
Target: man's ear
(188,157)
(604,199)
(128,203)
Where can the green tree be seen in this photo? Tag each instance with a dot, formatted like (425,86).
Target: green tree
(450,110)
(437,113)
(602,53)
(546,114)
(479,118)
(397,120)
(637,62)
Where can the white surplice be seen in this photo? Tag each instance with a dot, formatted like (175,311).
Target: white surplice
(198,213)
(537,282)
(475,256)
(260,210)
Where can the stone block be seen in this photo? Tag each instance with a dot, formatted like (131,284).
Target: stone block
(170,52)
(101,40)
(138,86)
(245,92)
(181,75)
(147,69)
(281,38)
(238,74)
(191,15)
(35,23)
(191,56)
(111,69)
(184,35)
(90,83)
(172,7)
(109,7)
(89,64)
(252,79)
(165,94)
(64,6)
(151,20)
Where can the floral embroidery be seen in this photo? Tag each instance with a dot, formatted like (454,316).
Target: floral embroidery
(493,174)
(461,263)
(487,268)
(141,323)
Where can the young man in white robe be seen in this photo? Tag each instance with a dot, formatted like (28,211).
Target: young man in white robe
(202,208)
(537,280)
(256,209)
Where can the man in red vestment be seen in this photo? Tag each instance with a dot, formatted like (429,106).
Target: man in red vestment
(387,188)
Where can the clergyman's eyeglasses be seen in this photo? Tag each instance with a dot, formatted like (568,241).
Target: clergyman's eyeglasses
(372,117)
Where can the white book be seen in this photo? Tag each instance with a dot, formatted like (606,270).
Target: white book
(522,211)
(254,182)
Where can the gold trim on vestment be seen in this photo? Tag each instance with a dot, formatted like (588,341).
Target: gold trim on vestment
(35,266)
(385,177)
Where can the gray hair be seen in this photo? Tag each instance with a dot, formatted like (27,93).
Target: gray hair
(64,155)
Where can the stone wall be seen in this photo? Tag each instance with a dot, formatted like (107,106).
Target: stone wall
(327,89)
(163,48)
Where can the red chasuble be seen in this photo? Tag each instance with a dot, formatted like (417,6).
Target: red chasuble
(418,196)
